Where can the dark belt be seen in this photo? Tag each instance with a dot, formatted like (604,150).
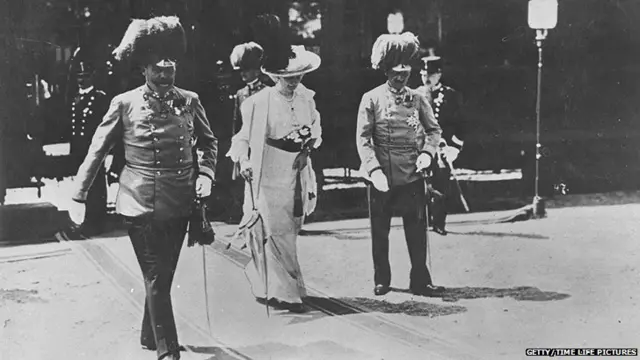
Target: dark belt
(285,145)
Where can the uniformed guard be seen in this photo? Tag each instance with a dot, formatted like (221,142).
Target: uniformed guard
(446,103)
(397,136)
(247,59)
(161,126)
(87,109)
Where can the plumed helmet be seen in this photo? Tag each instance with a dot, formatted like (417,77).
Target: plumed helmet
(155,39)
(246,56)
(394,51)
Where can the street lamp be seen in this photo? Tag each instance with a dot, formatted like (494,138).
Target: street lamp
(543,15)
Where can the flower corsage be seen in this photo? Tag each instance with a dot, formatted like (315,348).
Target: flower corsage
(302,138)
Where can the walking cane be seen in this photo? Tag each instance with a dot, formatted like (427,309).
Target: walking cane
(425,177)
(264,252)
(460,194)
(206,292)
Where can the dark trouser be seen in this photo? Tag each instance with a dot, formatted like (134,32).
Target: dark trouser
(438,205)
(96,204)
(410,200)
(157,245)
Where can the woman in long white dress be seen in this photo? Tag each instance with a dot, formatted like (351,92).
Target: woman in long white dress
(280,127)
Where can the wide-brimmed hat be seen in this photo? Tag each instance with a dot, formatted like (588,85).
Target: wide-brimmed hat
(431,64)
(395,51)
(281,58)
(304,61)
(159,40)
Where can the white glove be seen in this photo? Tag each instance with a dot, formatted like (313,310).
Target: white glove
(450,153)
(203,186)
(77,212)
(245,170)
(423,162)
(379,180)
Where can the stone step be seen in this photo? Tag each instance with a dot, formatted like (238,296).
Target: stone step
(28,223)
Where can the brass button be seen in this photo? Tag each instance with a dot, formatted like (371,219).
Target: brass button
(179,172)
(181,149)
(182,137)
(181,160)
(158,173)
(155,139)
(157,150)
(157,162)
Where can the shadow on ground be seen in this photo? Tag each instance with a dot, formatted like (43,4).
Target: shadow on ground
(216,353)
(519,293)
(357,305)
(501,234)
(316,350)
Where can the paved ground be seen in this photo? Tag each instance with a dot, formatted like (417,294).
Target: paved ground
(570,280)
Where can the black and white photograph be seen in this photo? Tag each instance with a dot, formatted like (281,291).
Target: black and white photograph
(319,179)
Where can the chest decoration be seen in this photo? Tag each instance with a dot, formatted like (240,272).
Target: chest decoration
(414,121)
(439,99)
(405,99)
(176,106)
(403,106)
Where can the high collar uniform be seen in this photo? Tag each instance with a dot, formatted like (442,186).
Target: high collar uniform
(447,105)
(159,137)
(87,109)
(393,128)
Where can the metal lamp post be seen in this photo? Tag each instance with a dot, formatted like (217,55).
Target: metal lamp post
(543,15)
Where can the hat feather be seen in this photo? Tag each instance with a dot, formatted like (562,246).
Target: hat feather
(275,41)
(136,30)
(391,50)
(246,56)
(162,37)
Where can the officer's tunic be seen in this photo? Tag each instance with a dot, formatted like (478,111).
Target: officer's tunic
(391,133)
(447,105)
(87,110)
(159,137)
(393,128)
(240,97)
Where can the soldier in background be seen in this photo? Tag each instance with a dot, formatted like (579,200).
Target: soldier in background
(87,108)
(247,59)
(446,103)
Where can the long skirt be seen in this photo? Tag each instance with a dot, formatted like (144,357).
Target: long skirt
(276,202)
